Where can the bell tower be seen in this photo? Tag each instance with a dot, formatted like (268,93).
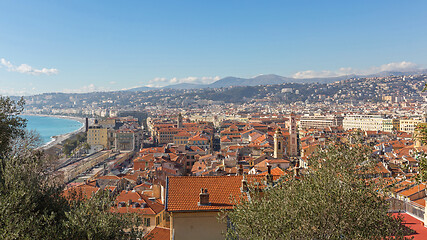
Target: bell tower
(179,124)
(293,136)
(278,144)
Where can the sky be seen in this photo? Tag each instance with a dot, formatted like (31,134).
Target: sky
(84,46)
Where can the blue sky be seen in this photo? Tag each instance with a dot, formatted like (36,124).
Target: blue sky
(81,46)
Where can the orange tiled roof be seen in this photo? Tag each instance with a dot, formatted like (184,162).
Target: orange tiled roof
(183,134)
(275,172)
(124,196)
(108,177)
(158,233)
(182,194)
(421,202)
(198,138)
(153,207)
(80,192)
(414,189)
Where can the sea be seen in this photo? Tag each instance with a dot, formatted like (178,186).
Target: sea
(48,127)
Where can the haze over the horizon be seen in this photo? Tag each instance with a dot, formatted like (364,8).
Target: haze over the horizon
(83,46)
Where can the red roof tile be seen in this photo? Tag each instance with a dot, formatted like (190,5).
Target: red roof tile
(80,192)
(158,233)
(183,192)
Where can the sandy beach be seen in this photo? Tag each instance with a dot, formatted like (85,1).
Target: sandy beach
(60,138)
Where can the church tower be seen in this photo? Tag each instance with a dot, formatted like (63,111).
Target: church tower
(293,136)
(179,125)
(278,144)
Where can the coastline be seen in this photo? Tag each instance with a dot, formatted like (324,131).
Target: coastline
(79,119)
(55,140)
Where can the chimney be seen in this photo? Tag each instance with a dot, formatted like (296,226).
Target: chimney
(204,198)
(296,171)
(240,170)
(244,184)
(269,177)
(86,124)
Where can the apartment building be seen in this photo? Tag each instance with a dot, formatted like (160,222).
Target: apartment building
(319,121)
(363,122)
(409,125)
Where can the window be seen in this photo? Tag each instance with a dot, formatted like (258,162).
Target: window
(147,222)
(157,220)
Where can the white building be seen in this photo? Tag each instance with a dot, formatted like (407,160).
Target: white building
(319,121)
(409,125)
(363,122)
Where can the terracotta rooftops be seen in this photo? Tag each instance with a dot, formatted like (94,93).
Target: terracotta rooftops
(275,172)
(152,207)
(158,233)
(182,193)
(198,138)
(413,190)
(80,192)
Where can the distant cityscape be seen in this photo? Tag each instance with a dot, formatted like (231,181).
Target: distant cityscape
(146,146)
(394,95)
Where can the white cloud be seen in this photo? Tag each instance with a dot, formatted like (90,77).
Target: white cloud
(399,66)
(88,88)
(27,69)
(394,66)
(4,91)
(161,82)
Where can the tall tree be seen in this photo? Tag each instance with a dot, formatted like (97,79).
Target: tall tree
(331,201)
(11,125)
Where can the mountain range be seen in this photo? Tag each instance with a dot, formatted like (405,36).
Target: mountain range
(271,79)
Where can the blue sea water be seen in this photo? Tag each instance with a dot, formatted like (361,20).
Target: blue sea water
(51,126)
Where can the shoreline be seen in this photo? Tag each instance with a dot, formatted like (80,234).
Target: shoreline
(79,119)
(58,139)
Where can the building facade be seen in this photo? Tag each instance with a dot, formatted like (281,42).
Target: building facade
(307,122)
(363,122)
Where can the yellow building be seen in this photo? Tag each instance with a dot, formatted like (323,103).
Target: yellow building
(181,138)
(98,136)
(391,124)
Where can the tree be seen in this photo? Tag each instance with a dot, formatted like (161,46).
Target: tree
(331,201)
(11,125)
(32,205)
(91,219)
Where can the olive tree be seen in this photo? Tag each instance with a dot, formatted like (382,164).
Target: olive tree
(332,200)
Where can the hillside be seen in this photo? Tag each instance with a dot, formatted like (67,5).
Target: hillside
(272,79)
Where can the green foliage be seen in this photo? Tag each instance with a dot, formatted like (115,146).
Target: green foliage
(420,134)
(32,205)
(332,201)
(422,164)
(11,125)
(103,224)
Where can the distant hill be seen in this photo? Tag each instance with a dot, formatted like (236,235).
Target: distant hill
(268,79)
(272,79)
(186,86)
(394,73)
(140,89)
